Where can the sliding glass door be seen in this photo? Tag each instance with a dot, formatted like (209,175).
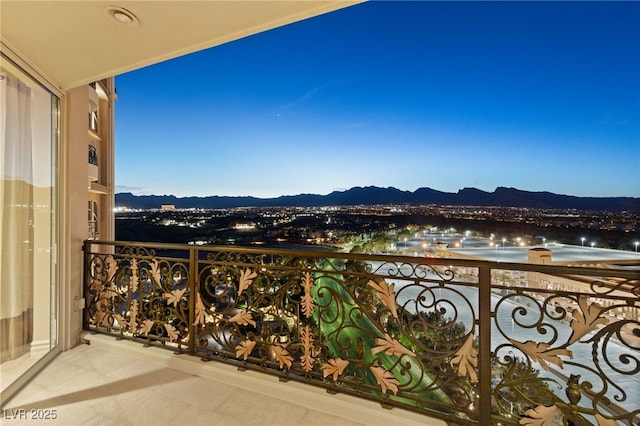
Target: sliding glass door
(28,292)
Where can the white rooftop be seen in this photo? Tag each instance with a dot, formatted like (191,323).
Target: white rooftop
(562,253)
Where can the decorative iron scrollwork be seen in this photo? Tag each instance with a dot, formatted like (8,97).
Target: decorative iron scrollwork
(403,331)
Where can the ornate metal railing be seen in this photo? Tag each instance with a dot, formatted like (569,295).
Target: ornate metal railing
(466,341)
(93,155)
(93,233)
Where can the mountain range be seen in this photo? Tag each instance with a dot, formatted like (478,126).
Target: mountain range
(372,195)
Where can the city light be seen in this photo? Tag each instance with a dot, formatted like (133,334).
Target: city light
(271,224)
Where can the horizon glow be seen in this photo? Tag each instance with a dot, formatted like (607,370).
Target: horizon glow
(539,96)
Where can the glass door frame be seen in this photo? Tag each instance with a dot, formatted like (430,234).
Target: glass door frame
(8,56)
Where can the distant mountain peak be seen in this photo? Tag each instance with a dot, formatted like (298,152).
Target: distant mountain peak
(371,195)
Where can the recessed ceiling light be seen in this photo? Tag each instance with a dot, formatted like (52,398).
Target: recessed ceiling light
(121,16)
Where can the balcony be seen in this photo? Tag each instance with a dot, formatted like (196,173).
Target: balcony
(93,233)
(448,339)
(110,382)
(93,164)
(94,102)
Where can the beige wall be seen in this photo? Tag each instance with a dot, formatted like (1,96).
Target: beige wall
(77,192)
(73,217)
(107,150)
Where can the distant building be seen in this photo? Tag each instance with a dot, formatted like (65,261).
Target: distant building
(241,226)
(97,101)
(167,207)
(561,255)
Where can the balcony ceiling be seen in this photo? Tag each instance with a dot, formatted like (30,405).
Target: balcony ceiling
(77,42)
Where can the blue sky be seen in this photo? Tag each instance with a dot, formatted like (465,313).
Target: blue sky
(540,96)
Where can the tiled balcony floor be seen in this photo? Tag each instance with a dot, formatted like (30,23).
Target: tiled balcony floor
(113,382)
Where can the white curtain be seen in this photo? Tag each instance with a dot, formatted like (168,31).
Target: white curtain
(16,218)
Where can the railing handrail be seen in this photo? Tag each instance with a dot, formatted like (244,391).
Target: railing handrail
(551,269)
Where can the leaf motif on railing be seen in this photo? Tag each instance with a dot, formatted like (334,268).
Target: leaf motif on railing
(244,348)
(155,271)
(200,310)
(112,268)
(243,318)
(307,299)
(134,314)
(391,347)
(539,416)
(586,319)
(246,278)
(282,356)
(175,296)
(95,284)
(100,317)
(102,311)
(335,367)
(146,326)
(172,332)
(107,293)
(542,353)
(307,343)
(133,282)
(386,295)
(603,421)
(122,321)
(467,360)
(385,379)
